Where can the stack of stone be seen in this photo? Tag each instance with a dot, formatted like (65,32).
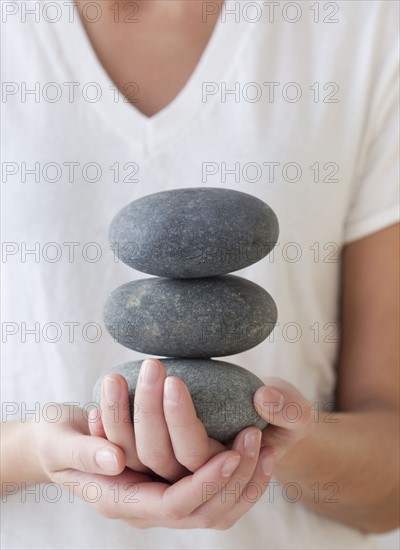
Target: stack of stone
(192,310)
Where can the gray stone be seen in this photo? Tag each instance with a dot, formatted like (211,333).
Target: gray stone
(194,232)
(198,318)
(222,393)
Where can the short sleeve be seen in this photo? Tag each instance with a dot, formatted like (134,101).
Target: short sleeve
(375,203)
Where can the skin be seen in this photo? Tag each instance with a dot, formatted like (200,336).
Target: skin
(159,53)
(167,453)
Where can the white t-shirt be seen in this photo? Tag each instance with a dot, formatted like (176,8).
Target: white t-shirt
(294,103)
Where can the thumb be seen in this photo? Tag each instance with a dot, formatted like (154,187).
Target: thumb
(287,412)
(283,406)
(86,453)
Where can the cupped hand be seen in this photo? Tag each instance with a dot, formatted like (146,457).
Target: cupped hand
(209,485)
(166,436)
(215,496)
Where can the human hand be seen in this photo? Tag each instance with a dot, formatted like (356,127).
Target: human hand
(179,505)
(287,412)
(215,496)
(166,437)
(67,444)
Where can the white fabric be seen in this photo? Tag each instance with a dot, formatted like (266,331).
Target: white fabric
(357,134)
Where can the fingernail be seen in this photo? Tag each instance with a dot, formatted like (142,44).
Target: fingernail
(252,441)
(230,466)
(272,399)
(171,391)
(267,463)
(149,372)
(112,390)
(106,459)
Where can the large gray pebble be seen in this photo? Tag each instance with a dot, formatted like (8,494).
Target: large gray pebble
(194,232)
(199,318)
(222,393)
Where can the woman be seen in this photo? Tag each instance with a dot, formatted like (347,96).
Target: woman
(293,103)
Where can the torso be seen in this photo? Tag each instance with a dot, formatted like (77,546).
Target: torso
(158,53)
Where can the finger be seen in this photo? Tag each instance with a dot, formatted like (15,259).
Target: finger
(178,501)
(252,492)
(153,443)
(117,419)
(131,495)
(283,406)
(247,443)
(95,423)
(191,445)
(85,453)
(288,415)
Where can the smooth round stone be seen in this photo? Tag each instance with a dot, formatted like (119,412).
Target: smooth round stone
(222,393)
(194,232)
(199,318)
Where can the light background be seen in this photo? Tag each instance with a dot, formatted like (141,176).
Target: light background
(390,541)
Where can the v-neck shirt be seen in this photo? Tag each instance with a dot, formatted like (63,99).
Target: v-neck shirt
(301,114)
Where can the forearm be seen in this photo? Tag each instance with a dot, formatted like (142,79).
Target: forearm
(19,461)
(347,468)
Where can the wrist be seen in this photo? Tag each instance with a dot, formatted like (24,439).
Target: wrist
(20,460)
(34,466)
(296,462)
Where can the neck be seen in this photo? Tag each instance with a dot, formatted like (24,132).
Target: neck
(170,8)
